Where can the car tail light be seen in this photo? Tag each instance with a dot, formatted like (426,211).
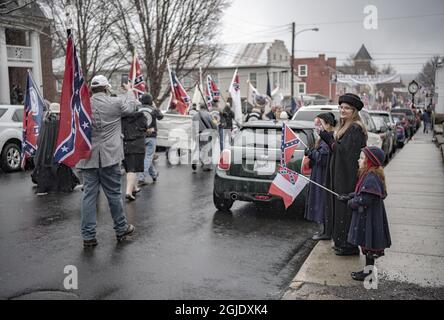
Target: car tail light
(225,160)
(262,197)
(305,166)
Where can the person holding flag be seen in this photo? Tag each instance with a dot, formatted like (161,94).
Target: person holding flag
(90,136)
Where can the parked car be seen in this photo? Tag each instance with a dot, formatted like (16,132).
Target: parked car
(248,167)
(401,124)
(387,131)
(11,124)
(411,117)
(402,117)
(308,113)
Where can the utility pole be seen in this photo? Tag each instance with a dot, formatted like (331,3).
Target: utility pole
(293,35)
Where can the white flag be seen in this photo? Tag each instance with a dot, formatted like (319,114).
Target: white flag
(236,97)
(252,94)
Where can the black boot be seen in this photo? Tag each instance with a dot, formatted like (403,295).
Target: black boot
(362,275)
(321,235)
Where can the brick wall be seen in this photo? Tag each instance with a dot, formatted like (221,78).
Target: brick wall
(317,80)
(49,89)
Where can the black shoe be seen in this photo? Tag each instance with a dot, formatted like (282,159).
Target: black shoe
(129,231)
(347,251)
(318,237)
(136,192)
(130,197)
(360,275)
(155,177)
(90,243)
(194,166)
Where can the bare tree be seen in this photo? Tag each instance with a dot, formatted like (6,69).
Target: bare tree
(94,26)
(427,76)
(9,6)
(175,30)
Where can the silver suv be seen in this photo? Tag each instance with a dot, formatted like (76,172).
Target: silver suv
(11,124)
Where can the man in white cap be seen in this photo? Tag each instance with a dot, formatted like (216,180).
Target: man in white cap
(103,167)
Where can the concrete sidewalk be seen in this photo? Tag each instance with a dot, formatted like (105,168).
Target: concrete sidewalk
(415,209)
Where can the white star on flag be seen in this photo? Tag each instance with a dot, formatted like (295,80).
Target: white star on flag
(85,125)
(65,149)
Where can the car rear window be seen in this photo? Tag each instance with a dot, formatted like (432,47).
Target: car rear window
(18,116)
(380,121)
(265,138)
(2,112)
(310,115)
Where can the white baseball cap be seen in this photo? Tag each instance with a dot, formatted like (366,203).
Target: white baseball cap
(100,81)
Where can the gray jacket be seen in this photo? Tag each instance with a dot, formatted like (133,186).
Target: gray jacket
(107,140)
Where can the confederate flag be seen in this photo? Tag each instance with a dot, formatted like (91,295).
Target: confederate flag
(136,77)
(180,97)
(74,137)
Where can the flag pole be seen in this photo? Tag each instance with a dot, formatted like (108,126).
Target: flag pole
(319,185)
(171,83)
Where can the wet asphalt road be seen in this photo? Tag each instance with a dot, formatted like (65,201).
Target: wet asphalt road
(183,248)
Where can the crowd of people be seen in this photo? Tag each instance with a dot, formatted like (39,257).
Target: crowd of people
(125,130)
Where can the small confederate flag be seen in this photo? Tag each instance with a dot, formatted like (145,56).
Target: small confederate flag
(136,77)
(290,142)
(32,119)
(212,91)
(287,185)
(74,137)
(180,96)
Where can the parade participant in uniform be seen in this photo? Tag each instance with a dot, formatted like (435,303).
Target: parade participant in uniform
(50,176)
(152,114)
(134,128)
(103,167)
(343,169)
(369,226)
(319,155)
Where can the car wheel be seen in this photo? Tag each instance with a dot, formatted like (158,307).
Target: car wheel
(221,203)
(10,158)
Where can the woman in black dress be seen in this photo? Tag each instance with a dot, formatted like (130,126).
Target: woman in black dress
(343,170)
(134,128)
(48,176)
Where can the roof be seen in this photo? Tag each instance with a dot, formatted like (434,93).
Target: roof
(363,54)
(242,54)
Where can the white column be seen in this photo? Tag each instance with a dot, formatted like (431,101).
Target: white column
(4,72)
(36,59)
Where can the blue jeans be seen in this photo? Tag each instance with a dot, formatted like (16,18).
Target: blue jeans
(148,163)
(110,180)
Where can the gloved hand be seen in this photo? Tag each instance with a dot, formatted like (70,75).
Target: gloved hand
(344,197)
(327,137)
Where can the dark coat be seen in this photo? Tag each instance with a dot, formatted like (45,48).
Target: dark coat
(50,176)
(152,114)
(341,178)
(369,226)
(315,208)
(226,118)
(134,128)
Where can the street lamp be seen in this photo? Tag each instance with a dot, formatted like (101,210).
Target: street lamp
(294,34)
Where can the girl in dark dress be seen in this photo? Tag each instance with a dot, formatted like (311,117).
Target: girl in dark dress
(315,209)
(343,169)
(369,226)
(134,127)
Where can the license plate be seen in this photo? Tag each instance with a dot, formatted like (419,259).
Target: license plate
(264,167)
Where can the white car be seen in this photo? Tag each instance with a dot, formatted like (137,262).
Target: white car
(308,113)
(11,124)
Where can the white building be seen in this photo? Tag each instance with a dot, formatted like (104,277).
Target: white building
(24,44)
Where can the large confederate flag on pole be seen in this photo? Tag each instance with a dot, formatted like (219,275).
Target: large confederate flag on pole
(74,137)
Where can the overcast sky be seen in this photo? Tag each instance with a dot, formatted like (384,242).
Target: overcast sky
(409,31)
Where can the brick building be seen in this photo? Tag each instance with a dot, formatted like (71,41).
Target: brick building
(25,43)
(315,77)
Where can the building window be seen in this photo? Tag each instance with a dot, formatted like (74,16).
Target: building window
(59,84)
(16,37)
(284,80)
(253,79)
(302,88)
(302,70)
